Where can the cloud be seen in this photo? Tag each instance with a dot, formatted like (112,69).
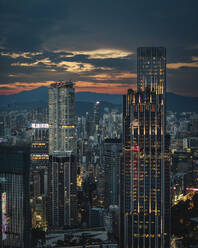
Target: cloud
(27,55)
(23,24)
(45,61)
(194,58)
(114,76)
(70,66)
(178,65)
(94,46)
(87,84)
(75,67)
(16,87)
(104,53)
(111,88)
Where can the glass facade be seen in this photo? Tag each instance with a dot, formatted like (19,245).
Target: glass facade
(112,151)
(62,199)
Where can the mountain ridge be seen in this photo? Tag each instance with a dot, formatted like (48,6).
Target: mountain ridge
(175,103)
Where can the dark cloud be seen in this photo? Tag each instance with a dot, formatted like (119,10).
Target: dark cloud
(24,22)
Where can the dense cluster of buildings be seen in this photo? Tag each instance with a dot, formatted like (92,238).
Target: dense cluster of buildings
(105,172)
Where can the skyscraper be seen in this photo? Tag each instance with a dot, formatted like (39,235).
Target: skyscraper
(96,113)
(145,185)
(61,117)
(112,151)
(39,158)
(62,161)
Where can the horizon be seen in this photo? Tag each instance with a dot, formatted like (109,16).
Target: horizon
(100,91)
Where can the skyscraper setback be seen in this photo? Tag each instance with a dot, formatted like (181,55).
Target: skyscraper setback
(62,161)
(145,189)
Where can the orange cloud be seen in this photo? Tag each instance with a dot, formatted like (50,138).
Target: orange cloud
(85,84)
(180,65)
(113,76)
(106,90)
(7,89)
(111,88)
(194,58)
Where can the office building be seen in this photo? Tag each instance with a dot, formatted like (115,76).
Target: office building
(62,199)
(145,170)
(112,151)
(39,158)
(15,216)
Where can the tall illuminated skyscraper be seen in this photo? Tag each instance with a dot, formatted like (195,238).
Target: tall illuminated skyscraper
(145,183)
(62,161)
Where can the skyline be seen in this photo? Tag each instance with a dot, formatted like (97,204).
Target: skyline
(94,44)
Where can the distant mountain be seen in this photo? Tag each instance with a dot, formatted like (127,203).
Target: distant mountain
(178,103)
(39,97)
(82,107)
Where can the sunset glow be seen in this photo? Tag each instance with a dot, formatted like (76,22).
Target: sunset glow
(81,86)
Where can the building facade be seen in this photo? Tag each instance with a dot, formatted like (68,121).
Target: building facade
(61,117)
(145,167)
(62,199)
(15,217)
(39,158)
(112,151)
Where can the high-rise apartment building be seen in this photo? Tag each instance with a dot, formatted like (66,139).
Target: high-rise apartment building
(62,171)
(145,185)
(61,117)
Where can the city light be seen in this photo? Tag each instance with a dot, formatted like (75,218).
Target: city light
(39,125)
(4,215)
(192,189)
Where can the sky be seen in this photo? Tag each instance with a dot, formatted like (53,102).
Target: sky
(94,43)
